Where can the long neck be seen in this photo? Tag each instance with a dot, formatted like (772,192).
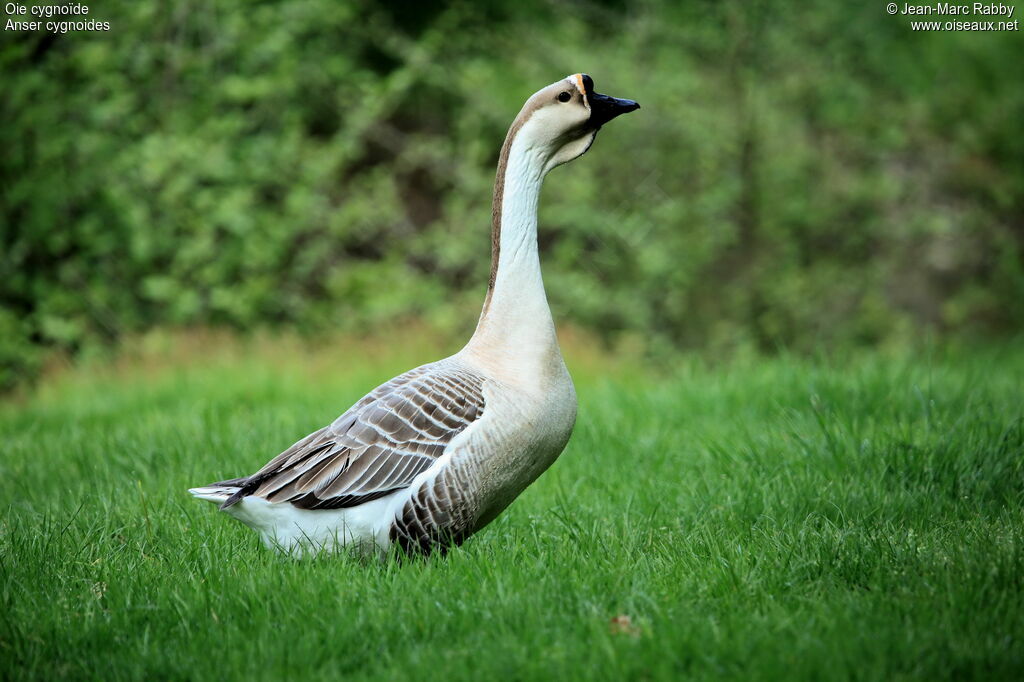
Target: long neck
(515,327)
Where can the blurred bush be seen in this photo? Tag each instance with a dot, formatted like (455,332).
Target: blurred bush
(798,175)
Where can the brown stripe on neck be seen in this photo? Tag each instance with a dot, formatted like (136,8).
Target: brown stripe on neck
(499,195)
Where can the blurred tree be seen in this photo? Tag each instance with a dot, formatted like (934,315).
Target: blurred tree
(799,175)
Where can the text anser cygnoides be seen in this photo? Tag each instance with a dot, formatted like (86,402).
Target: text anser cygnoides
(433,455)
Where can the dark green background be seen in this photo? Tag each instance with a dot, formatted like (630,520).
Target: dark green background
(801,174)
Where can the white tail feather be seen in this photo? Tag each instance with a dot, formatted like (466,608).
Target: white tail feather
(213,493)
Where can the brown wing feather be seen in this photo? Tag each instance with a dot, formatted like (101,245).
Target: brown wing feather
(380,445)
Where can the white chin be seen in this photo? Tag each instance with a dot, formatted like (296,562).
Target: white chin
(573,150)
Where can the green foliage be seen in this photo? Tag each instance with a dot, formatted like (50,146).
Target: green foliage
(799,174)
(766,520)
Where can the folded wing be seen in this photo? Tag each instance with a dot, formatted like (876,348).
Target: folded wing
(378,447)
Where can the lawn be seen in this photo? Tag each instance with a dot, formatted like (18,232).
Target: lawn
(786,518)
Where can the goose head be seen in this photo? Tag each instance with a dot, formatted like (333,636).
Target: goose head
(560,122)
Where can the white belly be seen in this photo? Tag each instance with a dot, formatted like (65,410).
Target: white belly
(296,531)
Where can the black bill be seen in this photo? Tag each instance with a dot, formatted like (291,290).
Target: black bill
(604,108)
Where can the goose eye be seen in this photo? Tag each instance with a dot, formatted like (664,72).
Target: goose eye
(564,97)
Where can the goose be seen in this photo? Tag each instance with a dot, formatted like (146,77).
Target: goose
(433,455)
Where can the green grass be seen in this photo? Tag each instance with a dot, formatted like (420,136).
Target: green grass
(768,519)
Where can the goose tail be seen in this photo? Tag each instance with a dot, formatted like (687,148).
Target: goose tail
(218,492)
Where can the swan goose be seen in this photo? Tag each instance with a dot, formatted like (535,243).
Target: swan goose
(430,457)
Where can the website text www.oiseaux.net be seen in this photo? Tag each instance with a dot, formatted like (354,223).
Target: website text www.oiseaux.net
(945,16)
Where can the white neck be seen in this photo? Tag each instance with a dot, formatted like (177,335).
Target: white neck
(515,332)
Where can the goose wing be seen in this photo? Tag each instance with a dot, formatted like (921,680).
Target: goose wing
(377,447)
